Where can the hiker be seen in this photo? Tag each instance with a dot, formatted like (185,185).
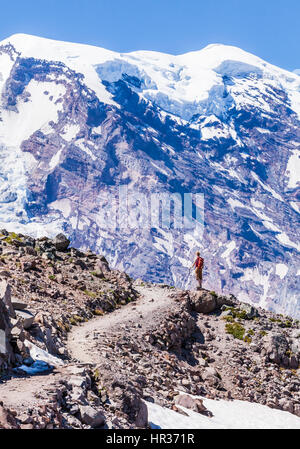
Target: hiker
(198,264)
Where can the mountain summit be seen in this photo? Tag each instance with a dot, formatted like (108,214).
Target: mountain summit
(77,122)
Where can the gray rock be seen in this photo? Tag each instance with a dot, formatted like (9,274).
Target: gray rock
(26,317)
(251,312)
(5,297)
(196,405)
(276,348)
(19,305)
(91,416)
(203,301)
(61,242)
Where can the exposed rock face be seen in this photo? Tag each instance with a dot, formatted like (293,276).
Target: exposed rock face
(278,351)
(61,242)
(127,397)
(7,419)
(104,120)
(6,353)
(5,297)
(91,416)
(174,330)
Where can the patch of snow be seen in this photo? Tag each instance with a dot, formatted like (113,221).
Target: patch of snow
(259,278)
(281,270)
(293,169)
(184,262)
(234,414)
(55,159)
(263,131)
(32,115)
(39,354)
(70,132)
(268,188)
(229,248)
(160,169)
(286,241)
(81,143)
(6,65)
(235,203)
(294,97)
(63,205)
(256,203)
(295,206)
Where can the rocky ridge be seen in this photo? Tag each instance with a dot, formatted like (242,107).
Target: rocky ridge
(118,343)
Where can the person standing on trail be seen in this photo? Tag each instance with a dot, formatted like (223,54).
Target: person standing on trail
(198,264)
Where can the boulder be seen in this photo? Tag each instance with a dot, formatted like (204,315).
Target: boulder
(6,352)
(7,418)
(203,301)
(211,377)
(5,298)
(26,317)
(28,263)
(286,405)
(61,242)
(277,348)
(135,408)
(17,305)
(91,416)
(102,266)
(251,312)
(128,398)
(194,404)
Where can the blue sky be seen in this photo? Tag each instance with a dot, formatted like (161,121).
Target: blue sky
(268,28)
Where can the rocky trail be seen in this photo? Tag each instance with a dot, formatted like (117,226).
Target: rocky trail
(86,342)
(86,346)
(117,344)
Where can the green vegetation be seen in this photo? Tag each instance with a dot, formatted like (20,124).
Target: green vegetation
(235,329)
(90,294)
(11,237)
(75,319)
(287,324)
(97,375)
(228,318)
(241,314)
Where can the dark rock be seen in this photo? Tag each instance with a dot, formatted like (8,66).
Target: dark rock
(61,242)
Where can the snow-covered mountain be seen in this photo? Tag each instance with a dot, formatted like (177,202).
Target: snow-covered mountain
(78,121)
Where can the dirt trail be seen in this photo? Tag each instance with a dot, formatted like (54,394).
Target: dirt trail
(21,393)
(140,315)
